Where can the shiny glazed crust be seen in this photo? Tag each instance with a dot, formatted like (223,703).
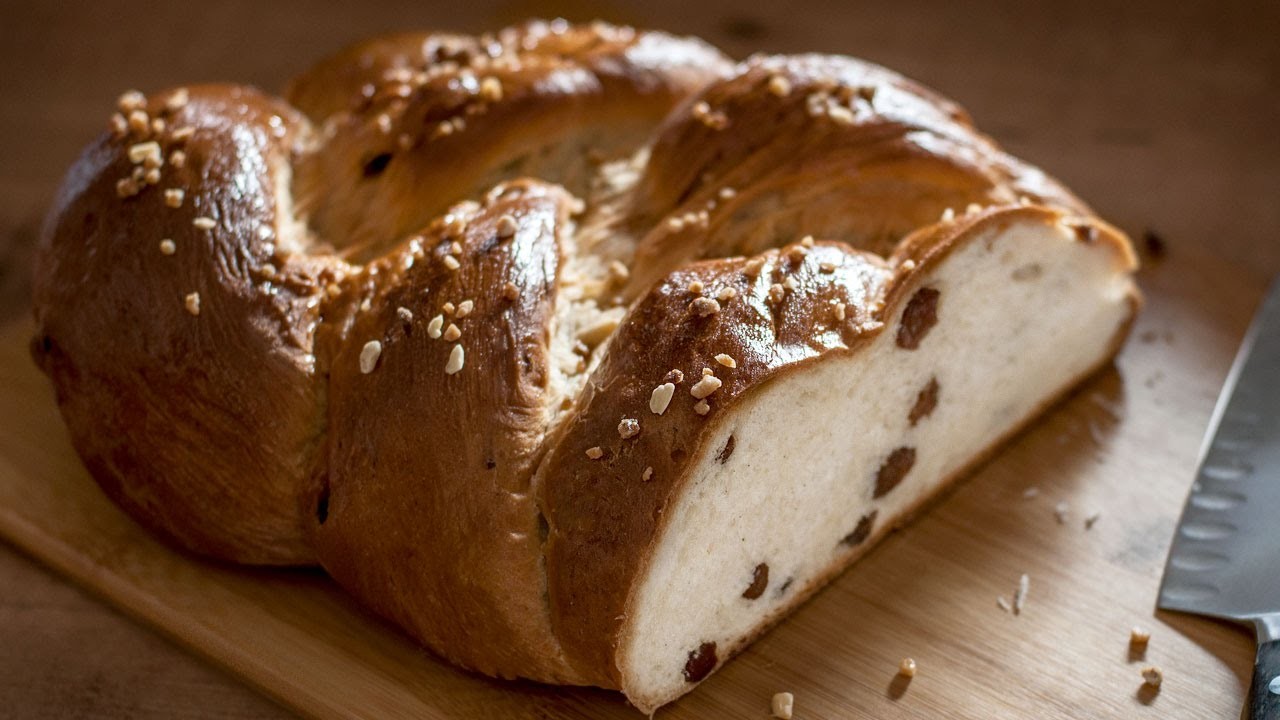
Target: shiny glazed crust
(423,494)
(817,145)
(416,321)
(203,426)
(450,113)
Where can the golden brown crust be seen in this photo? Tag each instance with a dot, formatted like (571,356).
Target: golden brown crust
(603,513)
(270,384)
(436,527)
(144,384)
(815,145)
(348,80)
(247,365)
(441,121)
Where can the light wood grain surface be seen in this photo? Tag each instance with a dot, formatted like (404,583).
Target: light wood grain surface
(1163,117)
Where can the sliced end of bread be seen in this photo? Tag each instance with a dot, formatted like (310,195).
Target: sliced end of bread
(987,320)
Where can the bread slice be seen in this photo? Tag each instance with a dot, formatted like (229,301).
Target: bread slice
(828,426)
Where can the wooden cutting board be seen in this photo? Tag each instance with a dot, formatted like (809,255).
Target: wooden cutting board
(1124,447)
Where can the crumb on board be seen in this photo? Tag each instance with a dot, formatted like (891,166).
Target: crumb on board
(783,704)
(1139,637)
(1003,603)
(1020,597)
(1152,676)
(907,668)
(1060,512)
(1153,244)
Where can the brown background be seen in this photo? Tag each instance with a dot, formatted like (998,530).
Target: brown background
(1163,115)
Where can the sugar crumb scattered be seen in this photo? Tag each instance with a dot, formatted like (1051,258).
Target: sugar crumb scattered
(783,705)
(1020,597)
(1139,637)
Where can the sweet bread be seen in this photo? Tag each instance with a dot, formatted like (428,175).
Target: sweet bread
(580,352)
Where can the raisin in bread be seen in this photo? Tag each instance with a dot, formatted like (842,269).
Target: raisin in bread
(579,352)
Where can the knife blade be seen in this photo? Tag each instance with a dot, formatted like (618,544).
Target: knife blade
(1225,558)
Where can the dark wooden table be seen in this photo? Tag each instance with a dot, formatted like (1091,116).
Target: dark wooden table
(1163,115)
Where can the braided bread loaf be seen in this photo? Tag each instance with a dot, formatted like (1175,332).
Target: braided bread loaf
(526,340)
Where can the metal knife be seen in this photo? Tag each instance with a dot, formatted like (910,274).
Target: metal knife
(1225,558)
